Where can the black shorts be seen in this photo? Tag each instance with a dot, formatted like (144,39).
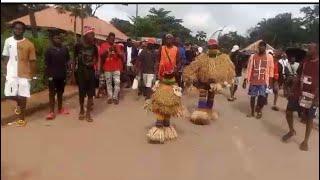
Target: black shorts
(86,82)
(309,114)
(56,85)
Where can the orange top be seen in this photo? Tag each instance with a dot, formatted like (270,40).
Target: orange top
(260,69)
(168,59)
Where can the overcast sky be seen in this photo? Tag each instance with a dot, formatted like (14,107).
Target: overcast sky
(207,17)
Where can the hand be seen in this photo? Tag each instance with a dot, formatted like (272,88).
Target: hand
(244,84)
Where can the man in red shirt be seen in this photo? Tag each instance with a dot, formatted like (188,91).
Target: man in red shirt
(111,63)
(304,96)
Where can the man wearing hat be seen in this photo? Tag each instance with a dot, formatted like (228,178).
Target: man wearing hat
(86,56)
(236,60)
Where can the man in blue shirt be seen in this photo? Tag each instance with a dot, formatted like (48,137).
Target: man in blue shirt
(182,53)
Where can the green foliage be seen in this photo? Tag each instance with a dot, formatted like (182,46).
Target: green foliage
(227,41)
(41,43)
(123,25)
(282,30)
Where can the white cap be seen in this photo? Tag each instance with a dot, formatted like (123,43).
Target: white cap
(235,48)
(200,49)
(270,51)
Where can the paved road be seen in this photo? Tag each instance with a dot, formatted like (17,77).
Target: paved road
(114,147)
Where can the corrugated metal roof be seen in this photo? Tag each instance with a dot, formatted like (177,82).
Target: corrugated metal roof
(51,18)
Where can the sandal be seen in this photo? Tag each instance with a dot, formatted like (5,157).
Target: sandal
(81,116)
(21,123)
(50,116)
(259,115)
(231,99)
(64,111)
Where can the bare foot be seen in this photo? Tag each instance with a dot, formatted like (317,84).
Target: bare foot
(287,136)
(304,146)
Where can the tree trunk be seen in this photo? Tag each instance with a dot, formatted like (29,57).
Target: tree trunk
(75,29)
(33,23)
(82,19)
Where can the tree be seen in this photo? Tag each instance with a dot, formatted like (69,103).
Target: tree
(32,8)
(227,41)
(76,11)
(201,36)
(123,25)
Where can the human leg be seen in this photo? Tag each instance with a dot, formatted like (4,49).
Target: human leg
(108,76)
(116,79)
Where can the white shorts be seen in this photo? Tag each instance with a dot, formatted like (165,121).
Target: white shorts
(148,80)
(17,87)
(237,80)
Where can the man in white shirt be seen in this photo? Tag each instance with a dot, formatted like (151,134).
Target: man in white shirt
(19,53)
(131,54)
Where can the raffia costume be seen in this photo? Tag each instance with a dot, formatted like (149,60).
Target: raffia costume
(209,75)
(165,103)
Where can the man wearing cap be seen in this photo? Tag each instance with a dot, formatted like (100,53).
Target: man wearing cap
(208,73)
(111,59)
(147,62)
(86,56)
(236,60)
(259,75)
(169,59)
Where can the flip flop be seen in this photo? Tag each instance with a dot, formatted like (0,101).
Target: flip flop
(21,123)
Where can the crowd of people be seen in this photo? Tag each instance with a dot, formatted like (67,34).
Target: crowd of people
(104,69)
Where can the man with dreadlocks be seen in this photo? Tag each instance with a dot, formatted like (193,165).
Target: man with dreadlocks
(209,73)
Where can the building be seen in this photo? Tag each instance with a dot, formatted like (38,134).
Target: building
(51,18)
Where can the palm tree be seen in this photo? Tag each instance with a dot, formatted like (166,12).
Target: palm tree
(76,11)
(32,8)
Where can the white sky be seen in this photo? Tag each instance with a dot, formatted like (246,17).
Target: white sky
(207,17)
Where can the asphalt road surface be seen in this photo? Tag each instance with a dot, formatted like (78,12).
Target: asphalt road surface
(114,146)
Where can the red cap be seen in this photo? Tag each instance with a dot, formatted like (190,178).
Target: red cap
(212,42)
(151,41)
(88,29)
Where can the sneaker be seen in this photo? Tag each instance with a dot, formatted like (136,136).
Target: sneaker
(50,116)
(63,111)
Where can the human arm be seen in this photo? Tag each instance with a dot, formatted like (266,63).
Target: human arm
(248,72)
(5,55)
(32,60)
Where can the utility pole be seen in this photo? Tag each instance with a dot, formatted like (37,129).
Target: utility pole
(135,23)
